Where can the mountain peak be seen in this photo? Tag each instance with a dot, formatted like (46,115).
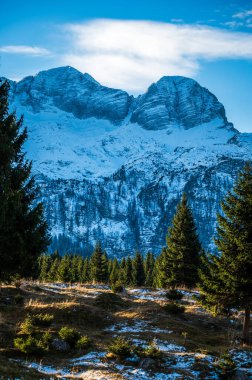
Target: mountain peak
(180,101)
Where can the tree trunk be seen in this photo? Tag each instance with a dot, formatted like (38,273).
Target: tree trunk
(245,332)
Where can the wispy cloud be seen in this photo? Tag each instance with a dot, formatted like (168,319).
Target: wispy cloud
(132,54)
(24,49)
(243,19)
(243,14)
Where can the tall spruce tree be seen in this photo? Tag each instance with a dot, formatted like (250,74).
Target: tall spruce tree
(138,270)
(23,230)
(96,264)
(128,272)
(226,278)
(183,248)
(149,265)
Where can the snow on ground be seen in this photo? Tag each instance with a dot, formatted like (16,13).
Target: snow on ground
(147,294)
(177,362)
(243,359)
(136,327)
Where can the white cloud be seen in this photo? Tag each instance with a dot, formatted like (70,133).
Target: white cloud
(24,49)
(243,14)
(132,54)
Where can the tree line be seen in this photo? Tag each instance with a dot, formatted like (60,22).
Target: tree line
(224,279)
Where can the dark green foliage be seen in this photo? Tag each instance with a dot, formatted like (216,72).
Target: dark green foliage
(83,343)
(129,272)
(42,320)
(23,230)
(225,366)
(152,352)
(114,274)
(138,270)
(181,258)
(120,347)
(117,287)
(110,301)
(149,265)
(173,308)
(33,345)
(27,326)
(69,335)
(174,295)
(226,278)
(99,265)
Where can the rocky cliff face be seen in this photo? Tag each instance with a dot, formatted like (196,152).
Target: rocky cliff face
(113,167)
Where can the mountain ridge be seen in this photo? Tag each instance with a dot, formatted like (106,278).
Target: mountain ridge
(112,167)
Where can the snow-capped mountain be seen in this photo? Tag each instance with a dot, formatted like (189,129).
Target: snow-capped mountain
(113,167)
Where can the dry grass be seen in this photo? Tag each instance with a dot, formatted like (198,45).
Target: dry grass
(71,307)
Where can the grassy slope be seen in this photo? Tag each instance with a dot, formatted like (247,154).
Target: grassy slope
(72,308)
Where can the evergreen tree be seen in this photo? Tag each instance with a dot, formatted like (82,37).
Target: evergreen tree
(161,270)
(183,249)
(96,264)
(64,272)
(226,278)
(86,276)
(138,270)
(23,230)
(80,268)
(129,272)
(104,268)
(149,269)
(44,267)
(122,272)
(53,274)
(114,275)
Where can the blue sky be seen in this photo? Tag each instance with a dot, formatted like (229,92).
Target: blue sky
(130,44)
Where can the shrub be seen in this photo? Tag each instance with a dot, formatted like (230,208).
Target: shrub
(29,345)
(27,326)
(152,351)
(120,347)
(117,287)
(173,308)
(110,301)
(225,365)
(18,299)
(174,295)
(83,342)
(42,320)
(69,335)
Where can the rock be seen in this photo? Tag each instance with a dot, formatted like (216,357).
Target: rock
(60,345)
(148,363)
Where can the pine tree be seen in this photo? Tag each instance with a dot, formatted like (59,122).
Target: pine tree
(96,264)
(149,269)
(161,270)
(53,270)
(23,230)
(226,278)
(138,270)
(129,272)
(104,268)
(44,267)
(64,272)
(86,276)
(122,272)
(114,275)
(183,248)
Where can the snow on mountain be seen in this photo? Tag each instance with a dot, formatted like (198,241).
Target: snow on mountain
(112,167)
